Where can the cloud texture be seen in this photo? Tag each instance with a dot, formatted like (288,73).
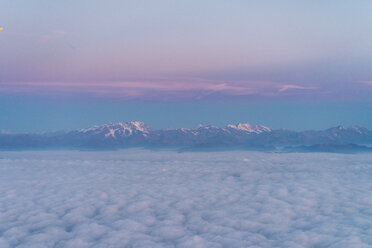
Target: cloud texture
(137,198)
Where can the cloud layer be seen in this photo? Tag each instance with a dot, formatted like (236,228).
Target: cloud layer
(159,89)
(137,198)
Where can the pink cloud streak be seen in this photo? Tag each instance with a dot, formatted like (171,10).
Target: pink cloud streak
(366,82)
(52,36)
(297,87)
(163,88)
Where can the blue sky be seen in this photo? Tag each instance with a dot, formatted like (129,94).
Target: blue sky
(294,64)
(30,114)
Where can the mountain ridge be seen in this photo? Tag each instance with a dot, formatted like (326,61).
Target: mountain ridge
(138,134)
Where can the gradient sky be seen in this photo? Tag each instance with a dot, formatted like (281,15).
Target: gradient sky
(288,64)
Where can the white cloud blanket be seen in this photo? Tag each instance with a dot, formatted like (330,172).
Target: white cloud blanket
(138,198)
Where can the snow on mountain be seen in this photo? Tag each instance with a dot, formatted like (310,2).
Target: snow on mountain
(118,129)
(247,127)
(137,127)
(359,129)
(128,129)
(208,128)
(184,131)
(135,133)
(352,130)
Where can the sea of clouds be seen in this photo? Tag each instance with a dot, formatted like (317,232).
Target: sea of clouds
(141,198)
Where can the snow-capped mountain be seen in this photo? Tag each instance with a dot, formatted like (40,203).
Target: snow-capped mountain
(118,129)
(135,133)
(247,127)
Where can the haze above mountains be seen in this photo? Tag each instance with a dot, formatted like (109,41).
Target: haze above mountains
(240,136)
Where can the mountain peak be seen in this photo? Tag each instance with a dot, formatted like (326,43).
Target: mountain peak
(136,125)
(356,128)
(341,127)
(247,127)
(136,133)
(207,127)
(119,129)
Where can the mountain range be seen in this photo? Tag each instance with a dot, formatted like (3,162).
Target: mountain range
(240,136)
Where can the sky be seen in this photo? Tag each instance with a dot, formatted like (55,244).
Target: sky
(286,64)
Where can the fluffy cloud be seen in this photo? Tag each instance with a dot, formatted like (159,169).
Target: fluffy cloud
(137,198)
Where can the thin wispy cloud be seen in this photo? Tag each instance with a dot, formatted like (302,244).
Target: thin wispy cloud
(186,88)
(158,88)
(295,87)
(366,82)
(56,34)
